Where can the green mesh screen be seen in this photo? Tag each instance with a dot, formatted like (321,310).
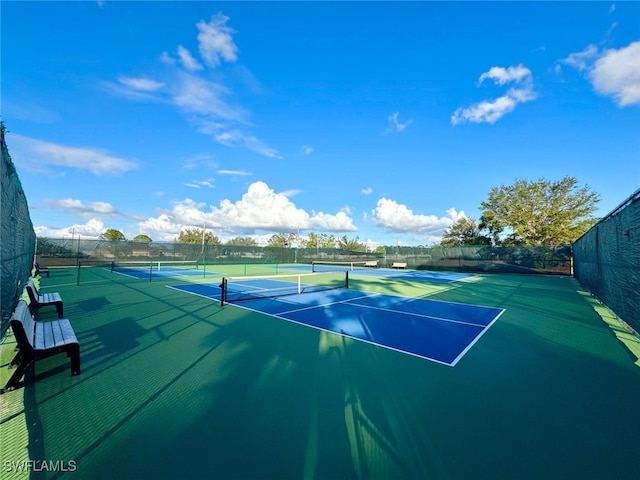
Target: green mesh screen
(607,260)
(17,238)
(67,252)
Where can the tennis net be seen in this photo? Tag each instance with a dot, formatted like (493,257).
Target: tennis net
(328,266)
(155,266)
(237,289)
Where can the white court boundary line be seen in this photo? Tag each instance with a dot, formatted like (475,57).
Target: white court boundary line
(484,328)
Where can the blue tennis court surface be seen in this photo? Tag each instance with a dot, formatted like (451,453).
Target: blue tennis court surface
(144,272)
(439,331)
(417,275)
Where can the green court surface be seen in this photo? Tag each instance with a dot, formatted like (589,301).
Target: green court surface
(175,386)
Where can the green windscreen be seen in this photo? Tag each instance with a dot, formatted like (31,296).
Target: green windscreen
(607,260)
(17,237)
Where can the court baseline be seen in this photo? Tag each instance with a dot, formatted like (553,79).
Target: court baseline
(439,331)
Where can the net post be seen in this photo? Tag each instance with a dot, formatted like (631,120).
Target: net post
(223,291)
(150,270)
(346,279)
(299,284)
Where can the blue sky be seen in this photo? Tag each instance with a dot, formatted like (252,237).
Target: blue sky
(382,121)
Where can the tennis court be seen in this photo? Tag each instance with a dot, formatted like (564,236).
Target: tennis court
(173,385)
(434,330)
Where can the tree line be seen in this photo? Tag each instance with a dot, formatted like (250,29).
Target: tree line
(532,213)
(283,240)
(529,213)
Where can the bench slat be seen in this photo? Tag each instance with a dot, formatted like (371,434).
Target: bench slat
(54,333)
(38,340)
(42,300)
(50,297)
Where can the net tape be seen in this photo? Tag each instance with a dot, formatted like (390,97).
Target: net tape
(237,289)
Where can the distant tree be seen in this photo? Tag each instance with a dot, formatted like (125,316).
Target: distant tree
(112,235)
(313,241)
(195,236)
(142,239)
(320,240)
(464,231)
(352,245)
(327,241)
(380,249)
(246,241)
(280,240)
(539,213)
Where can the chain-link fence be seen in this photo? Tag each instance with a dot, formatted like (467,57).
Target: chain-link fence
(17,238)
(607,260)
(71,252)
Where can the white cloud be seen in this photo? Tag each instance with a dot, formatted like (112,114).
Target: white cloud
(583,60)
(187,60)
(237,137)
(395,125)
(260,208)
(207,104)
(617,74)
(90,230)
(77,207)
(307,150)
(340,222)
(200,160)
(142,83)
(38,155)
(490,111)
(201,183)
(240,173)
(161,229)
(197,95)
(367,191)
(167,59)
(215,40)
(502,75)
(399,218)
(613,73)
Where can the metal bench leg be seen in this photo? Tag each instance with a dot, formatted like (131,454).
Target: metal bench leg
(73,352)
(17,375)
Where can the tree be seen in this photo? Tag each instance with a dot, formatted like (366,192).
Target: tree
(280,240)
(313,241)
(196,235)
(351,245)
(321,240)
(142,239)
(539,213)
(244,241)
(464,231)
(112,235)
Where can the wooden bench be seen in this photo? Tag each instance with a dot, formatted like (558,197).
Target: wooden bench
(43,300)
(371,264)
(40,269)
(38,340)
(399,265)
